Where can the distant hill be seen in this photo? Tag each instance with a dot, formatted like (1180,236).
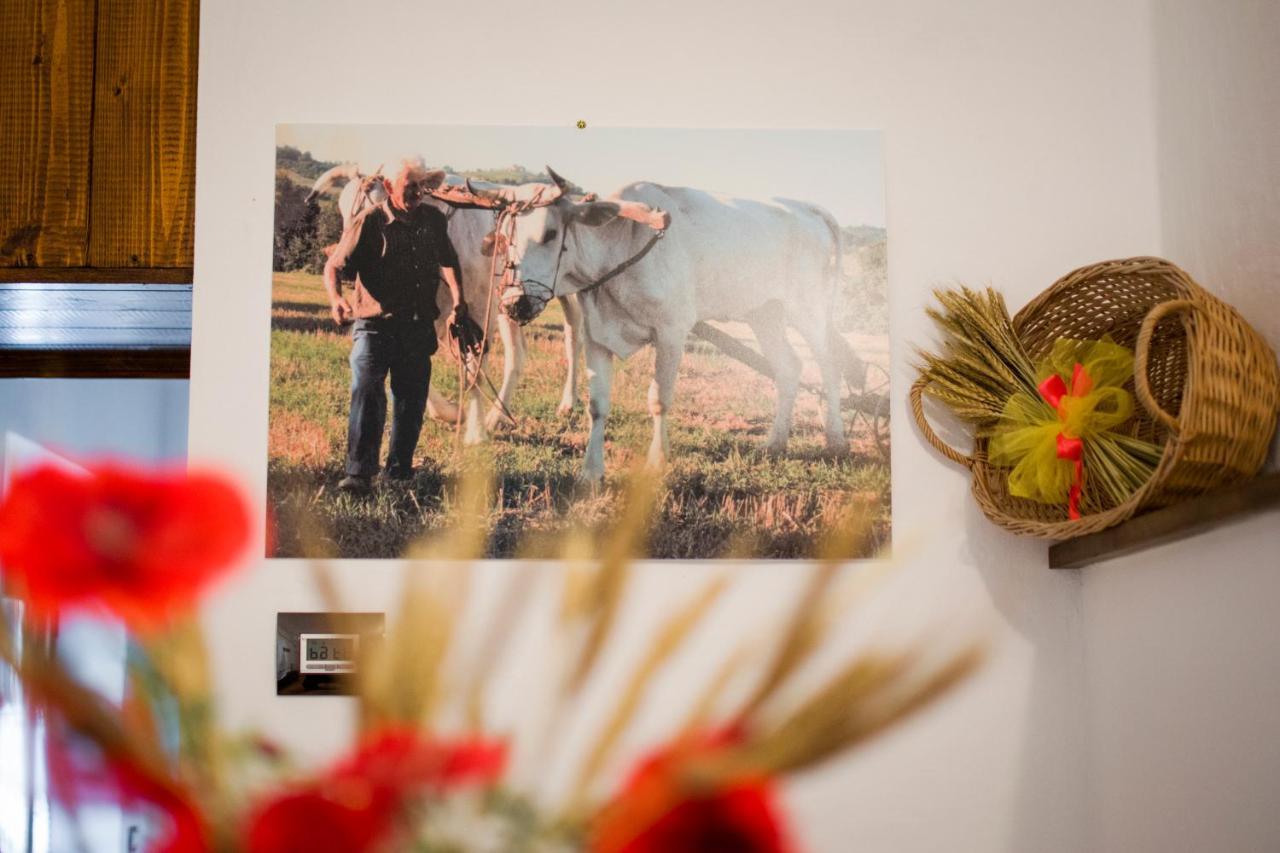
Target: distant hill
(510,176)
(299,179)
(857,236)
(301,163)
(303,169)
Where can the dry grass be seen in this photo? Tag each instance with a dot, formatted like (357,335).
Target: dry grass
(298,441)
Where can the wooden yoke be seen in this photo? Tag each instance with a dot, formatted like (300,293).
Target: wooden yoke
(658,220)
(465,196)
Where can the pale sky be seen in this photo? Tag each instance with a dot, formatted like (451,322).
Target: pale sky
(841,170)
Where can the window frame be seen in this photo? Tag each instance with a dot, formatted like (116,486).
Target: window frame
(76,347)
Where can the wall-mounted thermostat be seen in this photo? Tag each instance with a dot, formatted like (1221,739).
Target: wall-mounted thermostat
(320,653)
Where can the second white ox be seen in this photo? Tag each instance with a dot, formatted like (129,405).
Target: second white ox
(467,229)
(773,265)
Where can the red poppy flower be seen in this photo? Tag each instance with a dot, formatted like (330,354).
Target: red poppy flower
(141,543)
(405,758)
(355,805)
(330,816)
(659,812)
(81,775)
(185,831)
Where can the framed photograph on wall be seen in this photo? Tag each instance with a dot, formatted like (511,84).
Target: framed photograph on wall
(710,304)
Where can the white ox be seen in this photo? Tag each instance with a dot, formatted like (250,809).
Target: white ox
(773,265)
(467,229)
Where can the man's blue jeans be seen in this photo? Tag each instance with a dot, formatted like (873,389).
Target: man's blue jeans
(403,349)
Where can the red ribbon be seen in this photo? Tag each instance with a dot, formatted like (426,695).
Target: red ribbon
(1054,389)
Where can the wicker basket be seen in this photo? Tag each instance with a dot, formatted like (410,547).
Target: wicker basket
(1208,387)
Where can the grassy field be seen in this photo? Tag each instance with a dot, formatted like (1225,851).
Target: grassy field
(719,487)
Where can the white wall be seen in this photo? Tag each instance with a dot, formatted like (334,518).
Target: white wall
(1019,139)
(1182,653)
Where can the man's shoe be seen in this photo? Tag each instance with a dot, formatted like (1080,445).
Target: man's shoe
(400,475)
(355,485)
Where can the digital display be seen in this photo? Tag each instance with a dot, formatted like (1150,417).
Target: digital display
(329,653)
(331,648)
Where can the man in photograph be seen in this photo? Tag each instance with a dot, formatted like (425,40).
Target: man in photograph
(397,252)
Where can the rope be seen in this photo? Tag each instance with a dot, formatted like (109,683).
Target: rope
(469,381)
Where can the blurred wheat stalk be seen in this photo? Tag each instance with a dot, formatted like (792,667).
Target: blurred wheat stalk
(435,672)
(408,679)
(982,364)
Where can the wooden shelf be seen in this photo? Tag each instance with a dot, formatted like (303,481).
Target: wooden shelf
(1168,524)
(96,275)
(95,330)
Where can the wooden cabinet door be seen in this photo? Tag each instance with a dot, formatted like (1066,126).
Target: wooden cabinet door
(97,156)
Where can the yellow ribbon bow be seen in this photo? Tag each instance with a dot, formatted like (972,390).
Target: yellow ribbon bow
(1043,438)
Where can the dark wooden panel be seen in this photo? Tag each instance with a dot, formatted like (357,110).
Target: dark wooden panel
(143,191)
(1168,524)
(46,107)
(96,275)
(96,364)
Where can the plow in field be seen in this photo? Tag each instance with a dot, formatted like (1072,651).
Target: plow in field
(866,401)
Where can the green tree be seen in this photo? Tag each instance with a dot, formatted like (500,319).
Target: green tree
(328,231)
(295,225)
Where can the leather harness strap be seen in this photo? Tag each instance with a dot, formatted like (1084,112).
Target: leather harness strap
(505,231)
(624,266)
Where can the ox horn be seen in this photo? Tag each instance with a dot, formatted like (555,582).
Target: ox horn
(562,186)
(345,171)
(493,195)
